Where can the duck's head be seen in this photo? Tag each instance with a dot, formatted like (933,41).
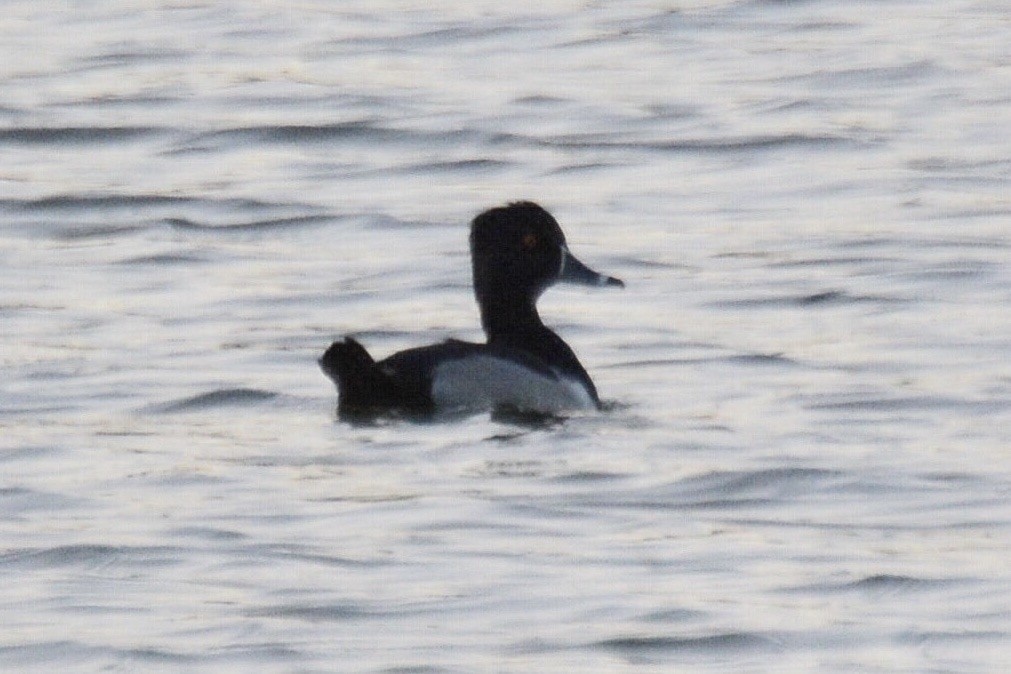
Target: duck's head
(520,249)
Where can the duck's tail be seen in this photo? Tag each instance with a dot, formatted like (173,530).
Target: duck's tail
(361,383)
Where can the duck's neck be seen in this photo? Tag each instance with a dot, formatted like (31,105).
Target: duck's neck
(506,314)
(514,323)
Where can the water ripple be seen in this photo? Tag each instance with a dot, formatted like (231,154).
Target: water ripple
(879,584)
(714,643)
(360,130)
(722,490)
(228,397)
(50,136)
(714,144)
(256,225)
(817,299)
(91,556)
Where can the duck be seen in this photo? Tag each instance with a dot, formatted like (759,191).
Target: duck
(517,252)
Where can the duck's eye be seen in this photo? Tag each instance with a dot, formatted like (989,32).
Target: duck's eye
(529,241)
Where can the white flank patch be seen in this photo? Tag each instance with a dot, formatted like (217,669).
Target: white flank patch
(484,382)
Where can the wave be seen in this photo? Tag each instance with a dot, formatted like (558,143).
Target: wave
(88,555)
(817,299)
(721,490)
(267,223)
(358,130)
(716,643)
(78,135)
(879,584)
(228,397)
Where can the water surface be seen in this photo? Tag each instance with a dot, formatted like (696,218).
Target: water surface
(804,462)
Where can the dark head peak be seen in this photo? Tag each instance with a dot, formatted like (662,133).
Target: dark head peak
(517,252)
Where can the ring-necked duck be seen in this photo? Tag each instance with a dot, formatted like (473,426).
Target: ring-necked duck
(517,252)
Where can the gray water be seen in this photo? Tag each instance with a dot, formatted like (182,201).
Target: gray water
(805,461)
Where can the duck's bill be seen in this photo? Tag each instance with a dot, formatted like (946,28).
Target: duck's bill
(574,271)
